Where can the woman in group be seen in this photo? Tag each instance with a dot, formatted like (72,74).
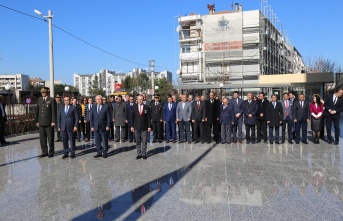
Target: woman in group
(316,110)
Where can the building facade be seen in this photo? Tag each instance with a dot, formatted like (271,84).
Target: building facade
(234,47)
(17,81)
(104,79)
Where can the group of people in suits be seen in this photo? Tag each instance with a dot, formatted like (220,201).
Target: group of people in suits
(3,120)
(196,120)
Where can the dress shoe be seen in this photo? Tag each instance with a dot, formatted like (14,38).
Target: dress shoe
(144,158)
(153,141)
(265,141)
(65,156)
(248,141)
(229,142)
(167,141)
(104,155)
(196,141)
(336,142)
(72,155)
(305,142)
(271,142)
(234,141)
(160,141)
(58,140)
(174,141)
(277,142)
(116,141)
(138,157)
(51,155)
(130,141)
(86,140)
(282,142)
(258,141)
(181,141)
(189,142)
(253,142)
(223,142)
(291,142)
(202,142)
(208,142)
(43,155)
(240,141)
(297,142)
(97,156)
(330,142)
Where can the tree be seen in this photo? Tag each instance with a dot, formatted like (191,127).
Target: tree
(94,88)
(143,81)
(164,88)
(129,84)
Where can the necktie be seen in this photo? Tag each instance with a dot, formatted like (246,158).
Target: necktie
(286,105)
(224,107)
(211,101)
(66,110)
(156,104)
(302,104)
(131,104)
(237,101)
(274,104)
(335,100)
(169,106)
(198,105)
(98,109)
(140,110)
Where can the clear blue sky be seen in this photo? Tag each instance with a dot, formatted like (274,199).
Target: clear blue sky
(141,30)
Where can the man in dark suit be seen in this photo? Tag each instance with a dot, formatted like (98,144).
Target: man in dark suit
(287,118)
(274,119)
(301,112)
(212,115)
(261,121)
(88,109)
(198,119)
(226,120)
(67,122)
(333,106)
(249,108)
(169,119)
(129,108)
(3,120)
(46,118)
(236,102)
(156,118)
(100,122)
(293,98)
(79,112)
(119,119)
(141,126)
(58,104)
(111,105)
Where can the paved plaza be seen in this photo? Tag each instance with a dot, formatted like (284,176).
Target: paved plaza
(176,182)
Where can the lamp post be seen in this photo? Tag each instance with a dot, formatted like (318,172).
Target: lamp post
(8,87)
(51,52)
(221,89)
(156,88)
(66,89)
(152,65)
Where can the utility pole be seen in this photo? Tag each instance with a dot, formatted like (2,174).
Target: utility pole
(152,65)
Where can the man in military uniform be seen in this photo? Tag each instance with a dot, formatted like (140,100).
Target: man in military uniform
(46,119)
(157,119)
(58,104)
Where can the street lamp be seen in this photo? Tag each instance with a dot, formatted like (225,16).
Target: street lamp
(66,88)
(8,87)
(152,65)
(221,89)
(156,88)
(51,52)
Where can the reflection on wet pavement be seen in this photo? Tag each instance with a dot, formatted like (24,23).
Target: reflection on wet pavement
(177,182)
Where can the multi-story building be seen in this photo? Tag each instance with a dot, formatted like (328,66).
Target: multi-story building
(17,81)
(158,75)
(104,79)
(234,47)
